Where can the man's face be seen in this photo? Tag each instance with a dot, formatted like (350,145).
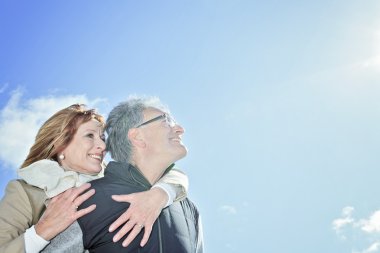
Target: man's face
(163,136)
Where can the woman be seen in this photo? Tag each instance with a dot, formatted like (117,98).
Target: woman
(68,152)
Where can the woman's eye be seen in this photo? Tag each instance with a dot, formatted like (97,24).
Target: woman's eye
(90,136)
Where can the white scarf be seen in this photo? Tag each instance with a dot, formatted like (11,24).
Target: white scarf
(52,178)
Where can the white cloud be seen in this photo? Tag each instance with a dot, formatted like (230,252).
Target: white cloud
(372,225)
(20,120)
(366,230)
(228,209)
(374,247)
(3,88)
(346,219)
(373,62)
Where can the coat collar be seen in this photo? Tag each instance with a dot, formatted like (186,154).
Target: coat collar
(129,173)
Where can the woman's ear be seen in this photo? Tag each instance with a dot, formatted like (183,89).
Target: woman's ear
(134,136)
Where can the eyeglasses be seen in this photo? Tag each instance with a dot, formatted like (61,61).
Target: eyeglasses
(169,120)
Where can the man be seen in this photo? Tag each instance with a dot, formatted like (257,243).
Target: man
(145,142)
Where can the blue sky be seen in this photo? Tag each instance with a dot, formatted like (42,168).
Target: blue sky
(280,102)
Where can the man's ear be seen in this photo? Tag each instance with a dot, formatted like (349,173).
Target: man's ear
(134,136)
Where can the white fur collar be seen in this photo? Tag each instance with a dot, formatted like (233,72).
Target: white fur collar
(52,178)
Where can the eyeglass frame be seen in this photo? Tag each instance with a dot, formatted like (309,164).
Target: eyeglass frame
(165,116)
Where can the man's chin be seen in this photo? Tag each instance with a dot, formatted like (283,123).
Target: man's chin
(183,153)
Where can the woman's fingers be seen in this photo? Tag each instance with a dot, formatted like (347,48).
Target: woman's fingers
(120,221)
(124,230)
(147,232)
(62,211)
(73,193)
(132,235)
(143,211)
(124,217)
(82,198)
(124,198)
(82,212)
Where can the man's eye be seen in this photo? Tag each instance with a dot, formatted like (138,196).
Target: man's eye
(167,122)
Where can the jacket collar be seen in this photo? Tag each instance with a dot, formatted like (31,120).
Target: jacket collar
(129,173)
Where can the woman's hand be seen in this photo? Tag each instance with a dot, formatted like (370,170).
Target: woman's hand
(143,211)
(62,211)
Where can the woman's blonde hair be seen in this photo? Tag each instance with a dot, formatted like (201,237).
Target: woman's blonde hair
(58,131)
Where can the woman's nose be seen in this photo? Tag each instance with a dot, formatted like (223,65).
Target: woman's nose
(101,144)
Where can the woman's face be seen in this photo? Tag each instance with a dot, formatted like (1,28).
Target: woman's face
(85,152)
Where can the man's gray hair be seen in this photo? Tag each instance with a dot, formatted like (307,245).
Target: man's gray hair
(123,117)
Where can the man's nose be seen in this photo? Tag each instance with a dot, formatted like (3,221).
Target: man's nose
(179,129)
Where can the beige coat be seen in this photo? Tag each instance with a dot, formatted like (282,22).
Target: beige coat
(23,205)
(20,208)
